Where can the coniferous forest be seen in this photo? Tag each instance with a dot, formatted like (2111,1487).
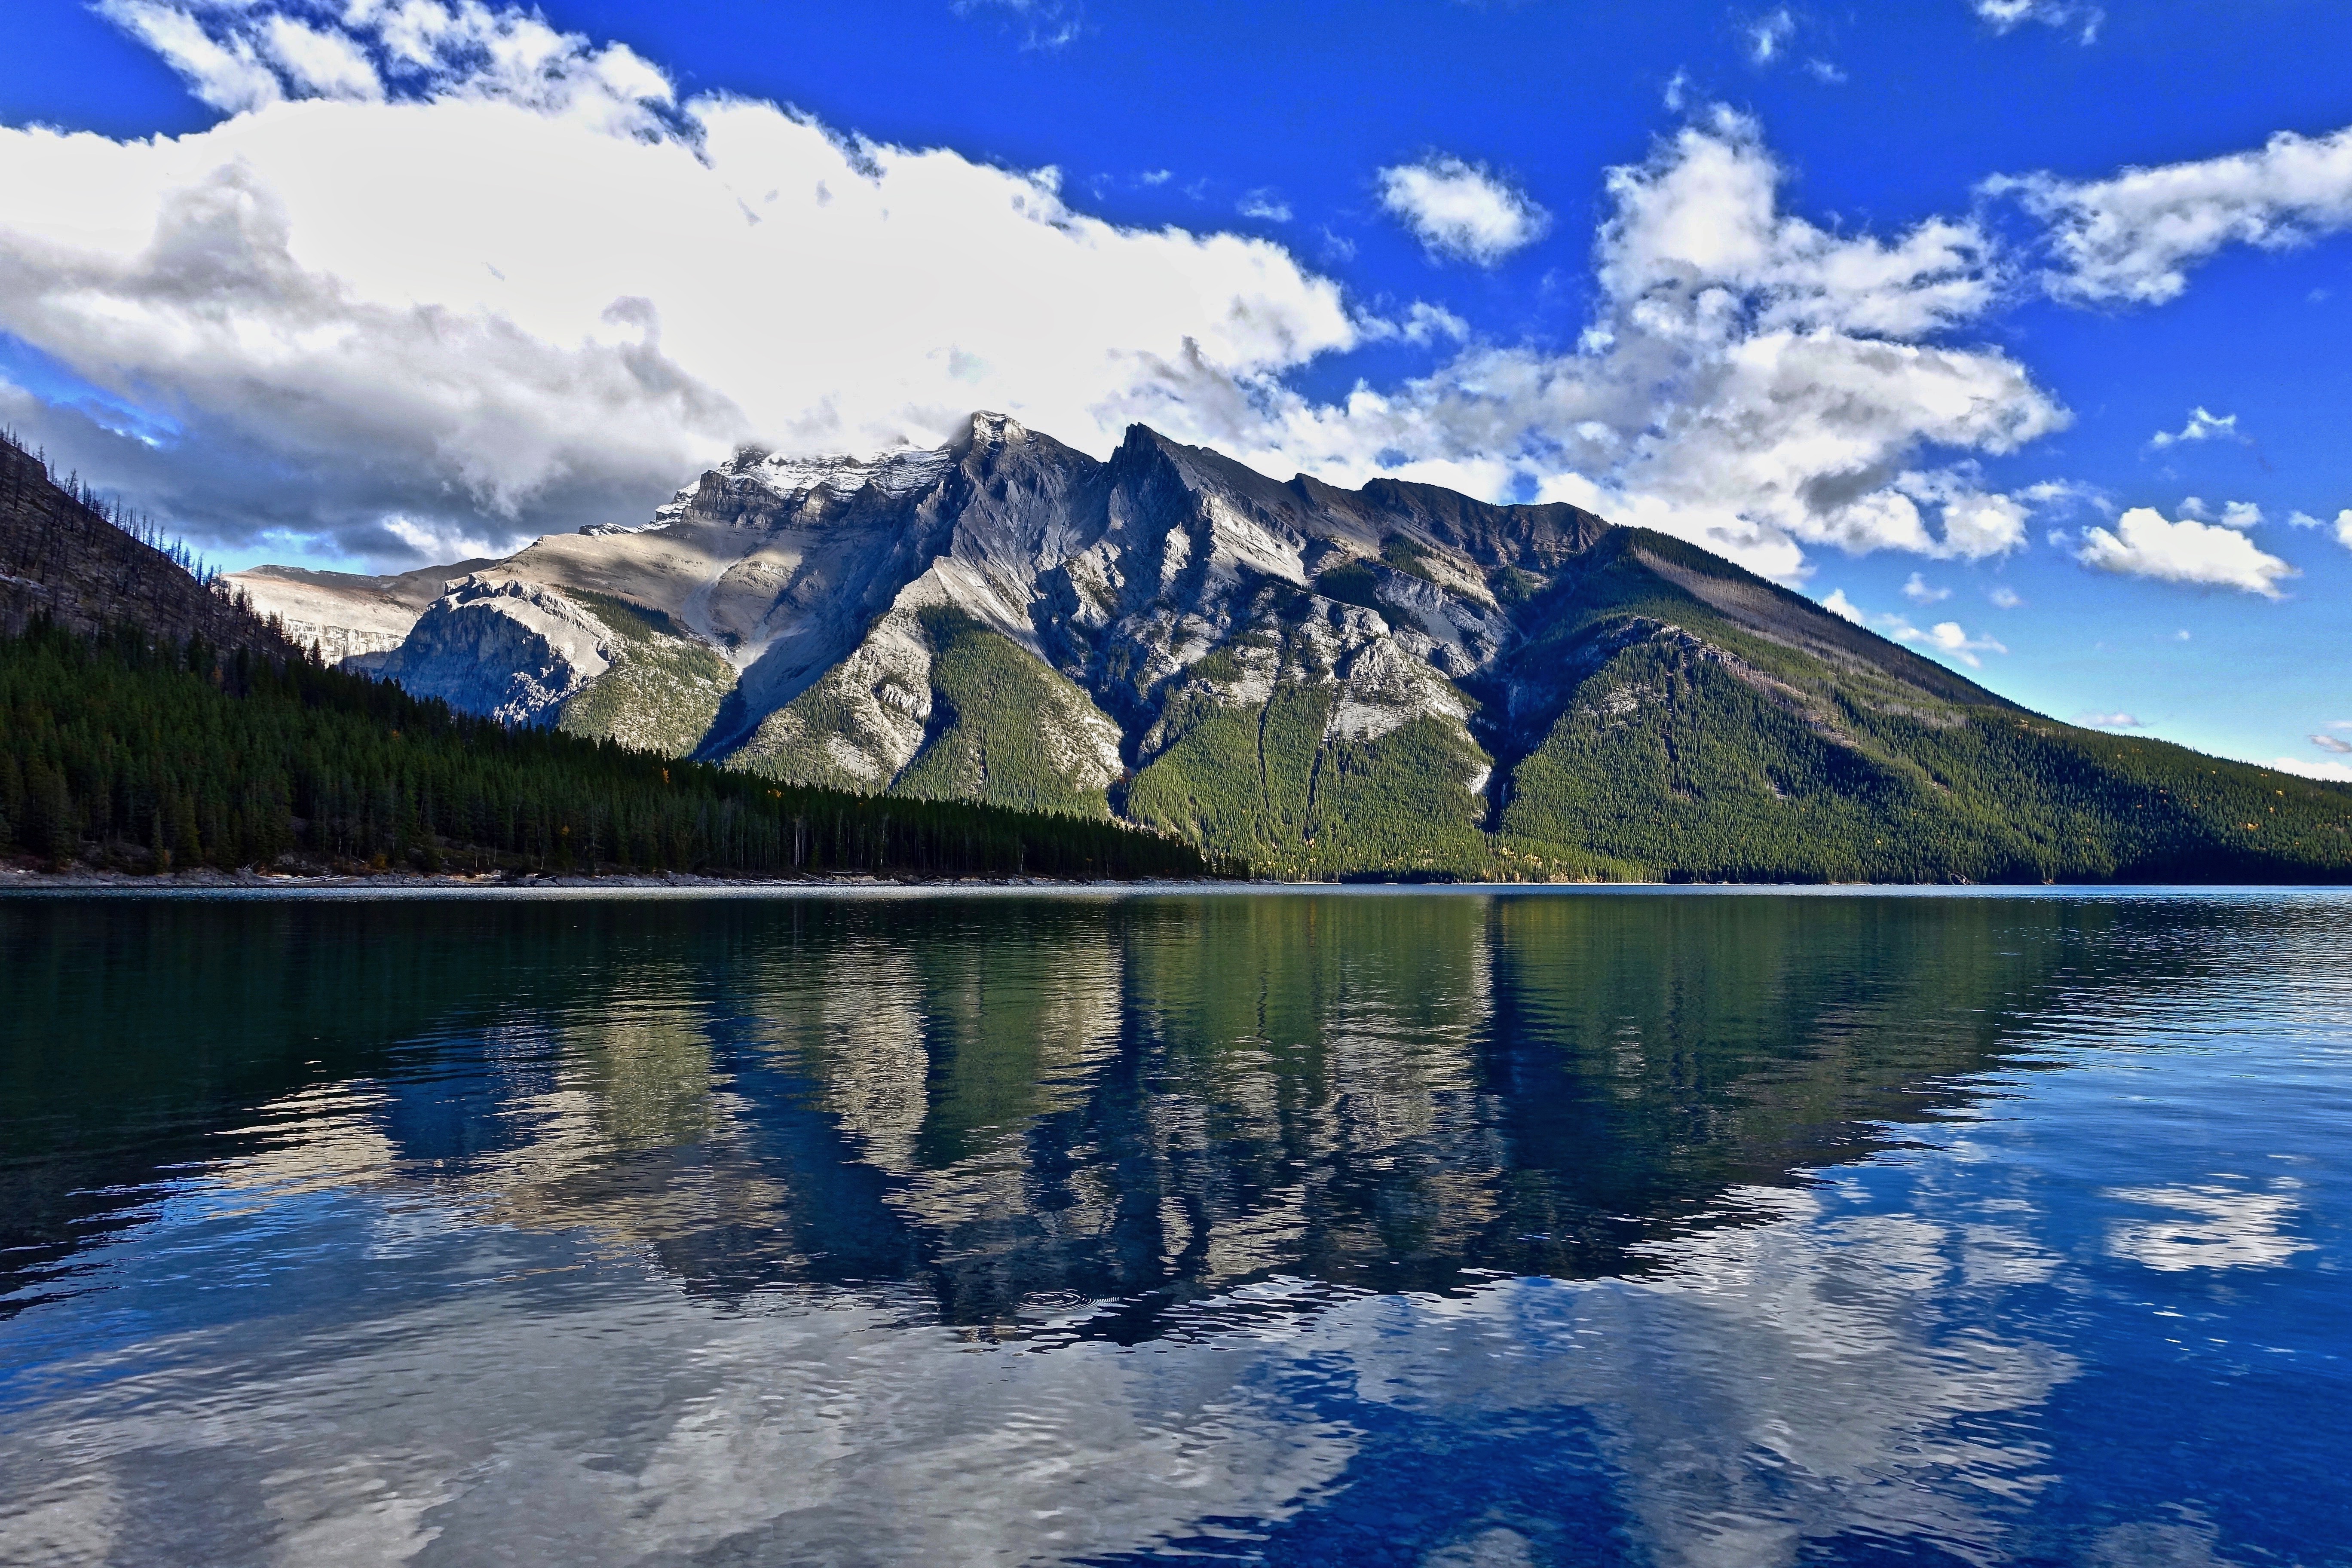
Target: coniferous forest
(144,754)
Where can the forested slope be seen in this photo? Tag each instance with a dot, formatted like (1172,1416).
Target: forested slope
(70,557)
(1676,714)
(150,757)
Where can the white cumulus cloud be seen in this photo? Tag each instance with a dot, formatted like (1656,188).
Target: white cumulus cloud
(2132,237)
(2341,528)
(2108,721)
(2144,544)
(528,287)
(531,292)
(1752,382)
(1461,209)
(1947,638)
(2329,772)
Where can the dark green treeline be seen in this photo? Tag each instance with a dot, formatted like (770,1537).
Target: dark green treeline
(147,755)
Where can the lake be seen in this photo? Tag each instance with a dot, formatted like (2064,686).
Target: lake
(1293,1227)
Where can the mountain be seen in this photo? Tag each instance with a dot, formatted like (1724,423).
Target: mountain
(63,558)
(1395,680)
(345,616)
(152,721)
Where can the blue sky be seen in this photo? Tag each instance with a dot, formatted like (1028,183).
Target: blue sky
(1871,299)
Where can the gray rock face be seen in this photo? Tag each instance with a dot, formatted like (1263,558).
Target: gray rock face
(512,650)
(1395,680)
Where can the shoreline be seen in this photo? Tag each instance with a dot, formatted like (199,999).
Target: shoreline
(400,885)
(408,883)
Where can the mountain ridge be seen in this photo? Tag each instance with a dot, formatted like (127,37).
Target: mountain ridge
(1394,680)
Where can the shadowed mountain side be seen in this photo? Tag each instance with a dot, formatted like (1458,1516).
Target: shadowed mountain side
(1393,681)
(62,561)
(1009,1105)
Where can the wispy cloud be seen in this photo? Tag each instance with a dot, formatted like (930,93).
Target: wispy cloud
(2132,237)
(1042,24)
(240,57)
(1917,591)
(2072,16)
(1767,34)
(2202,426)
(1263,204)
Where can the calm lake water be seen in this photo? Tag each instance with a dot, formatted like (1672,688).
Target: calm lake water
(1297,1228)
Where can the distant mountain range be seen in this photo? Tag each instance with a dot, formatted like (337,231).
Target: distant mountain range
(1395,680)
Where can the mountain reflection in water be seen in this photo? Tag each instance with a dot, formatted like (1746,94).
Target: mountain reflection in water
(1391,1228)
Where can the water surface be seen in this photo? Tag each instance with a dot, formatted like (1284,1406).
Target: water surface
(1299,1229)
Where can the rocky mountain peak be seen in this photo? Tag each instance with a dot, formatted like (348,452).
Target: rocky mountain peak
(990,429)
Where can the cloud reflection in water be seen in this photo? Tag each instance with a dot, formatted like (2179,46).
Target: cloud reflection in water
(1436,1230)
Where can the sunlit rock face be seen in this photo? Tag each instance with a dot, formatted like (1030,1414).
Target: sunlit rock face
(343,616)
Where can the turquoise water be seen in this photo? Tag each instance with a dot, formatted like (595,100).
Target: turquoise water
(1298,1229)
